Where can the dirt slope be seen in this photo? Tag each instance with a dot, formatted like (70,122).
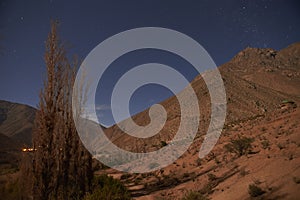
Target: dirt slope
(263,94)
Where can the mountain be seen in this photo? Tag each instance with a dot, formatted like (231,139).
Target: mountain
(16,121)
(263,98)
(256,82)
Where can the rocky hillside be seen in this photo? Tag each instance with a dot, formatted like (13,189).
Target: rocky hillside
(259,149)
(256,82)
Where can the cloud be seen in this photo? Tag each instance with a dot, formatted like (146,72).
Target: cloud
(102,107)
(89,114)
(100,113)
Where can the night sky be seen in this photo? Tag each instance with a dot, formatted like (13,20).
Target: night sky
(223,28)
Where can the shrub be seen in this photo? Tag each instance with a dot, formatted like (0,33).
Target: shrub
(194,195)
(255,191)
(287,101)
(263,129)
(243,172)
(208,188)
(168,181)
(163,143)
(280,146)
(105,187)
(265,144)
(217,160)
(211,177)
(125,176)
(186,175)
(198,162)
(240,146)
(296,180)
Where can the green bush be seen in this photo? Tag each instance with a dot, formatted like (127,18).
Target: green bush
(240,146)
(105,187)
(194,195)
(255,191)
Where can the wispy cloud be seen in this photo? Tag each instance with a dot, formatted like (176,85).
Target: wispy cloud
(89,114)
(102,107)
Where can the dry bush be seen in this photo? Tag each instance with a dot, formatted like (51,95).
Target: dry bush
(240,146)
(255,191)
(194,195)
(105,187)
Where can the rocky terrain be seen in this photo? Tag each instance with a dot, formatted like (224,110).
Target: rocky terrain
(259,147)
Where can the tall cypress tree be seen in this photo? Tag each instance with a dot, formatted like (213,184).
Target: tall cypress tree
(62,167)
